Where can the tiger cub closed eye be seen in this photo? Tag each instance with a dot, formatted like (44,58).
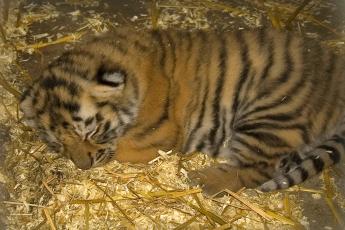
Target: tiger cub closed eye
(269,103)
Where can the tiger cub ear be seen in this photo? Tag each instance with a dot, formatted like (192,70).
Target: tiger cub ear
(110,81)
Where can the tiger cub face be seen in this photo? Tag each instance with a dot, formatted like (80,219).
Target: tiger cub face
(80,105)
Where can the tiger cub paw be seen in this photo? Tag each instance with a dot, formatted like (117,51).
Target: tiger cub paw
(214,180)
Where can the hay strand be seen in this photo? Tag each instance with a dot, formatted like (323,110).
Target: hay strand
(154,13)
(114,203)
(188,222)
(296,12)
(253,207)
(8,87)
(87,216)
(25,204)
(329,195)
(49,219)
(66,39)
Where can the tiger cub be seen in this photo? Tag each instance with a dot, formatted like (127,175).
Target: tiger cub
(267,102)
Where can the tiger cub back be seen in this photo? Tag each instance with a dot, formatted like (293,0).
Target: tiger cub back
(268,102)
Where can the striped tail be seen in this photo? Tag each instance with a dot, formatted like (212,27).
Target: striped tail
(321,157)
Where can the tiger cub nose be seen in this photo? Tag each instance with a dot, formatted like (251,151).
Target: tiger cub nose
(83,162)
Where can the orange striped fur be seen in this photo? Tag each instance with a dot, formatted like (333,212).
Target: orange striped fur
(268,102)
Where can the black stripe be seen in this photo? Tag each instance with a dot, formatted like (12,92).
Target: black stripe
(246,126)
(332,152)
(34,101)
(289,65)
(100,154)
(280,116)
(76,118)
(72,69)
(99,117)
(172,47)
(270,62)
(253,75)
(106,136)
(198,76)
(248,86)
(188,38)
(161,49)
(102,104)
(71,106)
(165,113)
(67,63)
(284,76)
(256,150)
(52,127)
(295,157)
(263,40)
(200,118)
(243,76)
(201,145)
(171,74)
(53,82)
(201,61)
(126,111)
(56,101)
(269,139)
(106,126)
(318,163)
(65,124)
(338,139)
(223,135)
(304,173)
(219,90)
(190,42)
(88,121)
(261,37)
(297,87)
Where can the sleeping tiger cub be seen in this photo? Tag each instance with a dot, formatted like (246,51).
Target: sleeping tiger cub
(267,102)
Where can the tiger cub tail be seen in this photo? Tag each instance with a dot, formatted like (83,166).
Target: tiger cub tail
(298,169)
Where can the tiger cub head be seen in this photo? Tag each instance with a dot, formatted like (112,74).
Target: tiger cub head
(83,102)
